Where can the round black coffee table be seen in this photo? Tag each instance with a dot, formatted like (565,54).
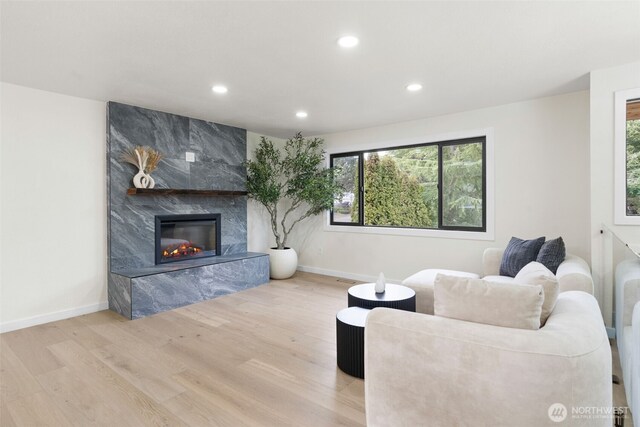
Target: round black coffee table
(395,296)
(350,340)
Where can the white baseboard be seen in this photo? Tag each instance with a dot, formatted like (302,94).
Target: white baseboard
(344,274)
(51,317)
(611,332)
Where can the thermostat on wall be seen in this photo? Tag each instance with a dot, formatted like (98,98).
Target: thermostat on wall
(191,157)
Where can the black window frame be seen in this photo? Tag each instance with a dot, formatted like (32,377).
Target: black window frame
(440,144)
(626,159)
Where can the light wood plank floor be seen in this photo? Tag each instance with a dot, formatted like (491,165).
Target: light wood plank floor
(261,357)
(264,357)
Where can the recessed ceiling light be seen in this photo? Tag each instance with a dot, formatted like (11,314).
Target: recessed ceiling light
(219,89)
(348,41)
(301,114)
(414,87)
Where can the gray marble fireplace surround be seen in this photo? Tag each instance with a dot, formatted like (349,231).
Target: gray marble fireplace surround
(137,287)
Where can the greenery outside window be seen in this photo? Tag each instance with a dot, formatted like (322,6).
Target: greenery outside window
(632,131)
(627,157)
(437,185)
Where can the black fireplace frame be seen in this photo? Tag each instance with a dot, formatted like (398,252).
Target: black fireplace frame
(185,218)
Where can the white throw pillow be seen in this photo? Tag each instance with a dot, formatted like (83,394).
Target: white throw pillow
(536,273)
(511,305)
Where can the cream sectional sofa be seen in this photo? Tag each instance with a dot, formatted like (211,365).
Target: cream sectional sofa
(573,275)
(627,279)
(435,371)
(634,401)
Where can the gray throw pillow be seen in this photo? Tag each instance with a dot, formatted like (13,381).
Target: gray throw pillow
(552,254)
(518,254)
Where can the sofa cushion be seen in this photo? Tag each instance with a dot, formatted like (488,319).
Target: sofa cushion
(501,279)
(428,276)
(518,254)
(552,253)
(511,305)
(535,273)
(626,358)
(422,284)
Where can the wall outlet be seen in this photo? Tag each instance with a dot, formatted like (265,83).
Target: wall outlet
(190,157)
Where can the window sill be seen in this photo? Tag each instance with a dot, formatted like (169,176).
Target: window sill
(412,232)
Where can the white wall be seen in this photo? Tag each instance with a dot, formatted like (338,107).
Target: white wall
(604,83)
(541,188)
(52,193)
(53,212)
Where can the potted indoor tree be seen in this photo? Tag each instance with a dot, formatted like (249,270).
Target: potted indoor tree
(292,184)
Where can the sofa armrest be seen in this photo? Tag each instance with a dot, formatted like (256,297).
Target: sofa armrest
(491,259)
(627,279)
(428,369)
(574,275)
(635,362)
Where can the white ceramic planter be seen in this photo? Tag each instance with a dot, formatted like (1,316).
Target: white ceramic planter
(282,263)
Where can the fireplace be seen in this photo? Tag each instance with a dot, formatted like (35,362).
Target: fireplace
(181,237)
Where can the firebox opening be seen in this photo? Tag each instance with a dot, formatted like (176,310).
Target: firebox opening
(180,237)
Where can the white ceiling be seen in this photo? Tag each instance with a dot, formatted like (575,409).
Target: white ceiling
(280,57)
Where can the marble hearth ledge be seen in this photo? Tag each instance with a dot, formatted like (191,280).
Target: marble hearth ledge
(140,292)
(183,265)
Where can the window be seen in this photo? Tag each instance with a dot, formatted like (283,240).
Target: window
(439,185)
(627,161)
(632,142)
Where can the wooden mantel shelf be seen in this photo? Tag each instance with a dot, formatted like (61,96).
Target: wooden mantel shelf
(171,191)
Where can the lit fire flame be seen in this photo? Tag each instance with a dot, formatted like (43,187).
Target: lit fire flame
(181,250)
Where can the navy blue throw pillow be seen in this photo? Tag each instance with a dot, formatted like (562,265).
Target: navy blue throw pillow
(518,254)
(552,254)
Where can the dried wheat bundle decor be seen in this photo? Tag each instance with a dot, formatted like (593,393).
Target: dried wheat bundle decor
(146,159)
